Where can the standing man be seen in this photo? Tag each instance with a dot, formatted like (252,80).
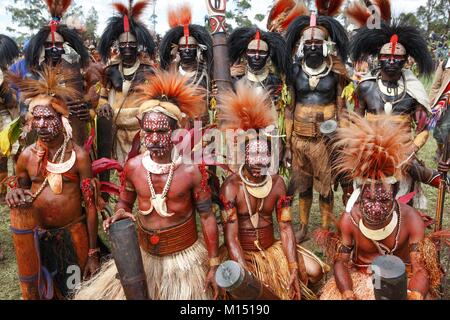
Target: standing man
(395,91)
(123,73)
(57,44)
(251,196)
(54,178)
(188,47)
(268,65)
(178,263)
(440,101)
(320,46)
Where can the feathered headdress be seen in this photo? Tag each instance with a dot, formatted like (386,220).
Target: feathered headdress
(246,108)
(327,10)
(368,42)
(57,9)
(359,13)
(283,13)
(170,93)
(127,21)
(48,90)
(241,37)
(371,152)
(8,51)
(180,19)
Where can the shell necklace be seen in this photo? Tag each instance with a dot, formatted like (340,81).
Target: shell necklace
(158,201)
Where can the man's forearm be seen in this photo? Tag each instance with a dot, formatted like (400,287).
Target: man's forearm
(342,276)
(210,234)
(92,226)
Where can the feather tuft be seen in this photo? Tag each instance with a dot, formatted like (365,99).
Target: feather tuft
(299,10)
(329,8)
(58,8)
(180,15)
(247,108)
(172,86)
(358,14)
(385,9)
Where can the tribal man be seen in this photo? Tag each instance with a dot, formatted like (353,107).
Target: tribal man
(320,77)
(177,262)
(54,176)
(189,48)
(8,105)
(375,223)
(395,91)
(123,73)
(57,44)
(250,198)
(8,110)
(267,65)
(440,102)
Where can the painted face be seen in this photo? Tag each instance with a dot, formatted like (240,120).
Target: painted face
(256,59)
(128,52)
(313,52)
(53,52)
(377,203)
(257,157)
(47,123)
(188,53)
(158,130)
(392,65)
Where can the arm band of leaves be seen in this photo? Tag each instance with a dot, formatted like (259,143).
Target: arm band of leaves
(345,249)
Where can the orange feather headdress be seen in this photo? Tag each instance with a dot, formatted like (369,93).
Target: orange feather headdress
(48,90)
(170,93)
(359,13)
(371,152)
(247,108)
(283,13)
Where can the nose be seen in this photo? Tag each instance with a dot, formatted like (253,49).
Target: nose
(40,123)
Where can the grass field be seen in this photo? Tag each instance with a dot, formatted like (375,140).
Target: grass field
(9,283)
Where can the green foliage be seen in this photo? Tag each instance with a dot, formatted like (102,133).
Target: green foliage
(91,24)
(33,14)
(259,17)
(435,16)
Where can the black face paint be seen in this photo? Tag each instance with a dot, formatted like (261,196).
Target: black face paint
(188,53)
(313,54)
(256,59)
(128,52)
(392,65)
(54,52)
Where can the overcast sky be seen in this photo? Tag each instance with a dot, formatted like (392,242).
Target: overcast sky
(199,11)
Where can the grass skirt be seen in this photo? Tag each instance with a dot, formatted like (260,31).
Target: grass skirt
(180,276)
(362,287)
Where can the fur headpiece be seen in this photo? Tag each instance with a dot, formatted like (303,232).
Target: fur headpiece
(8,51)
(127,21)
(241,37)
(170,93)
(57,9)
(327,9)
(180,19)
(372,151)
(246,108)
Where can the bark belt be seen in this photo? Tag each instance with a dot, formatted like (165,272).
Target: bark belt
(308,119)
(264,235)
(170,240)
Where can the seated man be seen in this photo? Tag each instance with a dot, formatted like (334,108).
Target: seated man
(252,195)
(178,264)
(375,223)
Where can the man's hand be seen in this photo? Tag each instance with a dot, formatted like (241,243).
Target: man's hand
(294,287)
(119,215)
(81,111)
(211,282)
(19,198)
(92,266)
(105,111)
(287,157)
(444,166)
(348,295)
